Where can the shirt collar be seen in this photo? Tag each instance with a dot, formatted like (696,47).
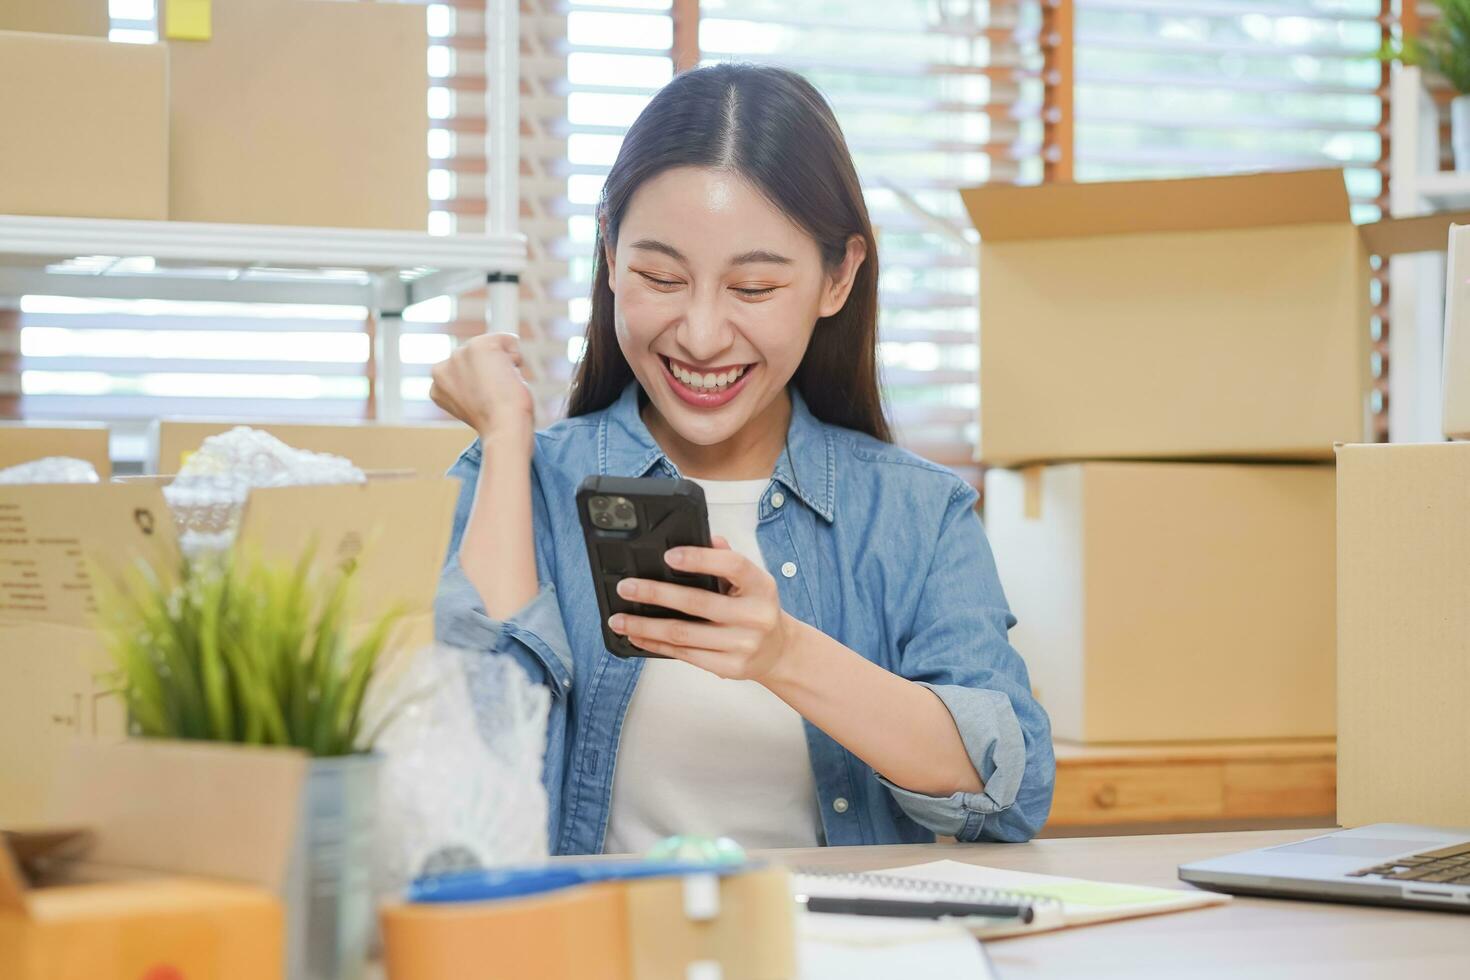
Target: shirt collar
(625,447)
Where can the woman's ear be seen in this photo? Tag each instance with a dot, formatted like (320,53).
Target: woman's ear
(609,252)
(840,280)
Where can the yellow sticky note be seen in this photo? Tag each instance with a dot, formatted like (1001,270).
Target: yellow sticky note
(187,20)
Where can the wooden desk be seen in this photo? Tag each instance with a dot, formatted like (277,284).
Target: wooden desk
(1174,787)
(1257,938)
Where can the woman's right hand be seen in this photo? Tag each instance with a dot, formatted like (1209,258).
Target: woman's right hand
(481,384)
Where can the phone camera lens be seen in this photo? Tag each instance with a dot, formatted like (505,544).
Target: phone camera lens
(602,517)
(623,510)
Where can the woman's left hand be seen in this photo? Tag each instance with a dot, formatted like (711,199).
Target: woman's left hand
(747,633)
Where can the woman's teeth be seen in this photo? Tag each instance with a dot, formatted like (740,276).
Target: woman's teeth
(706,382)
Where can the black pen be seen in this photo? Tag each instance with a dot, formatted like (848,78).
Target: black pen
(913,909)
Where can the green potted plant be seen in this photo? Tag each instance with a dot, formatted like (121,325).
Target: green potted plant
(231,648)
(1444,50)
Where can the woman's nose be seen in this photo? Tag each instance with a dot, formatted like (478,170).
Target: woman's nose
(705,330)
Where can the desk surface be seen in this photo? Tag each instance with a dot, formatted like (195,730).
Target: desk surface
(1257,938)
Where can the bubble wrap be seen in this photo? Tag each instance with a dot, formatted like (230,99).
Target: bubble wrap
(460,785)
(209,492)
(52,469)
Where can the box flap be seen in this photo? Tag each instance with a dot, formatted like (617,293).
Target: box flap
(1009,213)
(49,534)
(399,527)
(202,808)
(1403,236)
(22,442)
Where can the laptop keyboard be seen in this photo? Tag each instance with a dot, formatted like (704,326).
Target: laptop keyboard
(1445,866)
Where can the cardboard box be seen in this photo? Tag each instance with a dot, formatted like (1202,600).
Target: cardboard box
(1457,336)
(109,104)
(1220,317)
(302,112)
(1171,601)
(23,442)
(139,927)
(633,930)
(57,685)
(88,18)
(1403,634)
(428,449)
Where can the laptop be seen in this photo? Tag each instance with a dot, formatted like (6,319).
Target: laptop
(1382,864)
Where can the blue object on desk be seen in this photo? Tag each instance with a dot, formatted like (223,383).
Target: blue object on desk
(481,885)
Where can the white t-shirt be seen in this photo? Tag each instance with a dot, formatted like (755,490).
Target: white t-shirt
(700,754)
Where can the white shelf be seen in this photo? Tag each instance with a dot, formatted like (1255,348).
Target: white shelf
(1444,191)
(383,270)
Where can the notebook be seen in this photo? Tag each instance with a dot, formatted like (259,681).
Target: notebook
(1057,902)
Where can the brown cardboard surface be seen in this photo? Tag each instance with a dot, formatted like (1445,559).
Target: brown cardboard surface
(753,934)
(56,672)
(22,442)
(55,668)
(1403,634)
(109,104)
(1172,601)
(87,18)
(1171,319)
(1008,213)
(1456,397)
(124,930)
(571,934)
(1405,236)
(428,449)
(166,806)
(302,112)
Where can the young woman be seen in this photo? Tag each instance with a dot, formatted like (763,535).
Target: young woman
(855,684)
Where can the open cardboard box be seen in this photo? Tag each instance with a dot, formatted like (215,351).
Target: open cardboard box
(23,442)
(92,923)
(56,670)
(1217,317)
(428,449)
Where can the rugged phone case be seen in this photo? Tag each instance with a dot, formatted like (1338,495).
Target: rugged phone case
(669,513)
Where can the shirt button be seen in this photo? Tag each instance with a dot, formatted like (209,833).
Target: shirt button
(789,569)
(777,499)
(840,804)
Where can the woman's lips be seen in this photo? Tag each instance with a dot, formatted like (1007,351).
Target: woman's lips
(704,399)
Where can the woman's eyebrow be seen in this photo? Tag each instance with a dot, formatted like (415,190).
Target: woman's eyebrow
(759,255)
(653,245)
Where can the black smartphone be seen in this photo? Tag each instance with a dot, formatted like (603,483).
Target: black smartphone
(628,524)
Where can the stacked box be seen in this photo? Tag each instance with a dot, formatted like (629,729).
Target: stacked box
(1175,361)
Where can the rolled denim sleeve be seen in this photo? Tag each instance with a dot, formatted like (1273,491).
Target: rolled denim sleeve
(535,635)
(958,648)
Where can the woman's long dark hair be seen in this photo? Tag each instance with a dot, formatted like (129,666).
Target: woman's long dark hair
(773,128)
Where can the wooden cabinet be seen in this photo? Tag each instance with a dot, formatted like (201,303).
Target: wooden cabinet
(1188,786)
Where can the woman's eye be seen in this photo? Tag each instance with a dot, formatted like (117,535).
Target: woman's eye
(661,283)
(764,291)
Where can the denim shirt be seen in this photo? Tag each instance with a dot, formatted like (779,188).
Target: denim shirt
(874,546)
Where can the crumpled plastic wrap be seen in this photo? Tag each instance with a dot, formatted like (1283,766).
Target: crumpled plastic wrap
(52,469)
(460,784)
(209,492)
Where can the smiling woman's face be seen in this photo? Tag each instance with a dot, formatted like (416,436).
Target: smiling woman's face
(716,294)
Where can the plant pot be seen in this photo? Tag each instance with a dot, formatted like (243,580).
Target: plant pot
(1460,132)
(329,882)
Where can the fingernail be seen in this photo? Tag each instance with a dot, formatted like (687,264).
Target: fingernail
(616,622)
(627,589)
(674,556)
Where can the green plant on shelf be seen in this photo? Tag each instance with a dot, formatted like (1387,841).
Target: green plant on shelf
(234,648)
(1444,49)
